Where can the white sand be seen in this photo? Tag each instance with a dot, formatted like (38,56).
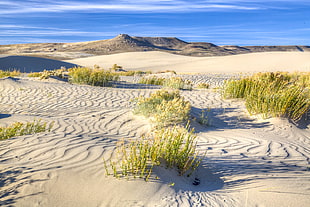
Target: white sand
(249,162)
(161,61)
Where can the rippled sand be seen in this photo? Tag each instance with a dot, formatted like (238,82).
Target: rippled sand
(249,161)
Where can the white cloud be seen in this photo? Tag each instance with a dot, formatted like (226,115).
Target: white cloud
(10,7)
(13,7)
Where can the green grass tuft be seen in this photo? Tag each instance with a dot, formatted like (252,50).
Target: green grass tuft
(273,94)
(19,129)
(173,147)
(173,82)
(8,73)
(93,77)
(164,107)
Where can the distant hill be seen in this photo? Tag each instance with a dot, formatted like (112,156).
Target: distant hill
(125,43)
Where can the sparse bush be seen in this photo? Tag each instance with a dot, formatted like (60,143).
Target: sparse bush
(35,75)
(273,94)
(8,73)
(116,68)
(19,129)
(46,74)
(81,75)
(133,73)
(172,147)
(153,80)
(164,107)
(178,83)
(173,82)
(203,85)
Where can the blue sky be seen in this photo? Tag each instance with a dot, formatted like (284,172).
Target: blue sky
(222,22)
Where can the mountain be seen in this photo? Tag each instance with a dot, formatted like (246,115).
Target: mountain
(126,43)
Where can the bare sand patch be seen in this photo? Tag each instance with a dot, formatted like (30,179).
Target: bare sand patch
(161,61)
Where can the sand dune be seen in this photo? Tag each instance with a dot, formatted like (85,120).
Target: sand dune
(160,61)
(249,162)
(28,64)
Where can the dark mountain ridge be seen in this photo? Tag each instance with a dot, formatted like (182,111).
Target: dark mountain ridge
(126,43)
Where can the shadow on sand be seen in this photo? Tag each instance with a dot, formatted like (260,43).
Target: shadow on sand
(27,64)
(219,120)
(10,182)
(2,116)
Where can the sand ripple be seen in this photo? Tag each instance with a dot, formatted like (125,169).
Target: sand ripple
(245,156)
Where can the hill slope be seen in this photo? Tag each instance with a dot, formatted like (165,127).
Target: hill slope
(125,43)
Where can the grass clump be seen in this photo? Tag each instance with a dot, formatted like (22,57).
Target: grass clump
(173,82)
(46,74)
(19,129)
(203,85)
(178,83)
(134,73)
(7,73)
(153,80)
(93,77)
(273,94)
(164,107)
(173,147)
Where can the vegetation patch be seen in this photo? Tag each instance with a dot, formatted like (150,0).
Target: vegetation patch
(153,80)
(203,85)
(8,73)
(173,147)
(19,129)
(133,73)
(178,83)
(273,94)
(164,107)
(60,73)
(169,145)
(93,77)
(173,82)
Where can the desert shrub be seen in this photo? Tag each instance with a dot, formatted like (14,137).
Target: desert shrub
(172,112)
(173,82)
(178,83)
(8,73)
(173,147)
(168,71)
(153,80)
(60,73)
(35,74)
(134,73)
(273,94)
(94,77)
(116,67)
(203,85)
(19,129)
(164,107)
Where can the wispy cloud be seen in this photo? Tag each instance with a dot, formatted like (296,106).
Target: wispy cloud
(35,6)
(27,6)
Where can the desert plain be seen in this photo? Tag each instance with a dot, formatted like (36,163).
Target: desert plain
(249,161)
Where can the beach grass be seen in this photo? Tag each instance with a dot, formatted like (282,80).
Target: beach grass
(93,77)
(19,129)
(203,85)
(164,107)
(273,94)
(9,73)
(178,83)
(172,147)
(60,73)
(153,80)
(173,82)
